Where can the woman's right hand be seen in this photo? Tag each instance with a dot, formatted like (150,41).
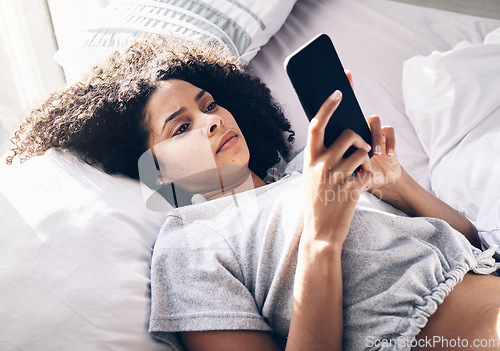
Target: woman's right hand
(331,193)
(331,190)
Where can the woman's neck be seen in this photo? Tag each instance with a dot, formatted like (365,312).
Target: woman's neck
(230,185)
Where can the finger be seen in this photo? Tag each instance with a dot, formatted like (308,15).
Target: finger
(364,179)
(349,77)
(357,184)
(347,139)
(316,131)
(359,158)
(377,136)
(390,140)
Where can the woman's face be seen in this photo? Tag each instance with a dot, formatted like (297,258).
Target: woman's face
(192,136)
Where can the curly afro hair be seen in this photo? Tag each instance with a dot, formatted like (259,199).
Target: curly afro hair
(102,120)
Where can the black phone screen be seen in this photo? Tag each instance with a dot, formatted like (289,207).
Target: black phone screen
(316,72)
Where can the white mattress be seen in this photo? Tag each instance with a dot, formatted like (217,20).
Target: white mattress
(373,39)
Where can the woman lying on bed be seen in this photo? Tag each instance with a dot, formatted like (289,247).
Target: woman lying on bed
(312,257)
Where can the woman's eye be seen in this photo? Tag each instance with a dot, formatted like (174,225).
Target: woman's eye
(212,106)
(182,129)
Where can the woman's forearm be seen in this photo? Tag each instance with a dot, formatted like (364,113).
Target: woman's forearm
(410,197)
(317,317)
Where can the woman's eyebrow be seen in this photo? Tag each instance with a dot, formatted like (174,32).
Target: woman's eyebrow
(176,113)
(172,116)
(200,95)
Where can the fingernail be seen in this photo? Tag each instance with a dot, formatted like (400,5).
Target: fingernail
(378,150)
(390,152)
(368,147)
(336,95)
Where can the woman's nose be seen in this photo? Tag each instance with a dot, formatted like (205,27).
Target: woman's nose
(214,122)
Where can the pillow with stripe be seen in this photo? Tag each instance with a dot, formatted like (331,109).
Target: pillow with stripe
(242,25)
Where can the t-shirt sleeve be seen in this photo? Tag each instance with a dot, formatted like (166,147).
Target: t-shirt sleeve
(197,284)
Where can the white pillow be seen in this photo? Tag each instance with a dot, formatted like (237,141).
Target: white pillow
(75,250)
(452,100)
(244,26)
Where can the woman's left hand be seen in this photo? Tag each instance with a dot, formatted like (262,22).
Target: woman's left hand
(386,169)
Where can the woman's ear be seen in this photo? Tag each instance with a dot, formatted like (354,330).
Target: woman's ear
(161,173)
(161,182)
(151,172)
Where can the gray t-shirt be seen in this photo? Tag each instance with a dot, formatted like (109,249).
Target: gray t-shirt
(229,264)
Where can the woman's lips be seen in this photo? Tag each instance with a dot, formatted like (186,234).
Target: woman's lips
(227,141)
(228,144)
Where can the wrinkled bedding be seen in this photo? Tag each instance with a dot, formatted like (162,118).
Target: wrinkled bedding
(452,99)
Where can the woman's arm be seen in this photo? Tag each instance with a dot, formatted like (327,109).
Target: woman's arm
(410,197)
(394,185)
(331,193)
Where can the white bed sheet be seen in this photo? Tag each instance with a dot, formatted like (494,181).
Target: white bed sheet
(452,99)
(373,39)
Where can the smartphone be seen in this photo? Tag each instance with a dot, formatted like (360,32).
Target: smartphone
(316,71)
